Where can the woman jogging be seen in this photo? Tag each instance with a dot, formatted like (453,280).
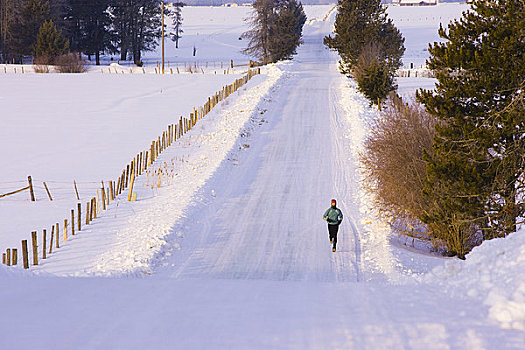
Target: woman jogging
(334,217)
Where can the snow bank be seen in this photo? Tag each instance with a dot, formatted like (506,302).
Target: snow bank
(493,273)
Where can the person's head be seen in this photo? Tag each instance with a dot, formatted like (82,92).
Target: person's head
(334,203)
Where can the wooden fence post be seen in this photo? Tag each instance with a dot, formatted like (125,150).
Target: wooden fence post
(4,258)
(35,248)
(30,181)
(118,186)
(51,240)
(93,210)
(87,213)
(151,153)
(44,244)
(57,235)
(15,257)
(25,255)
(103,191)
(131,187)
(79,216)
(111,192)
(65,230)
(72,222)
(97,203)
(8,257)
(47,190)
(76,190)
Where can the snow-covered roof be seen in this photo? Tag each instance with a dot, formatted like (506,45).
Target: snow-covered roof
(415,2)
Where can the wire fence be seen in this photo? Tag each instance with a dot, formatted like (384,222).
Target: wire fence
(90,207)
(195,67)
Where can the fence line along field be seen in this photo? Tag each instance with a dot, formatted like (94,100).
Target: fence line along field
(53,195)
(190,67)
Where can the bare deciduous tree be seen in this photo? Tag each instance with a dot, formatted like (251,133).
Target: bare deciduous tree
(276,29)
(393,164)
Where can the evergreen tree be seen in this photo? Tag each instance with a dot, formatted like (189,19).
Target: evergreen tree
(286,30)
(474,176)
(121,14)
(361,23)
(177,23)
(50,43)
(97,30)
(14,38)
(91,27)
(356,23)
(27,26)
(9,12)
(372,74)
(137,26)
(146,29)
(58,11)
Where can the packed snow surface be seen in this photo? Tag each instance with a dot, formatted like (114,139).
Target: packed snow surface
(230,251)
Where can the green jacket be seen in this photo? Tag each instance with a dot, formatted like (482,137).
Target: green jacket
(333,215)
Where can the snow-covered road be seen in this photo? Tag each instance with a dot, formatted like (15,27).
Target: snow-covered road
(265,220)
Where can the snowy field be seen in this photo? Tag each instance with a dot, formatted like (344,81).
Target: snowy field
(419,26)
(85,128)
(231,252)
(213,31)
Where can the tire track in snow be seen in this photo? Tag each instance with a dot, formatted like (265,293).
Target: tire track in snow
(345,168)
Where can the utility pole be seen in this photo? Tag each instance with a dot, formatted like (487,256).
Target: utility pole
(162,37)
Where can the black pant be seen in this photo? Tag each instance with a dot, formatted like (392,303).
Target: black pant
(332,232)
